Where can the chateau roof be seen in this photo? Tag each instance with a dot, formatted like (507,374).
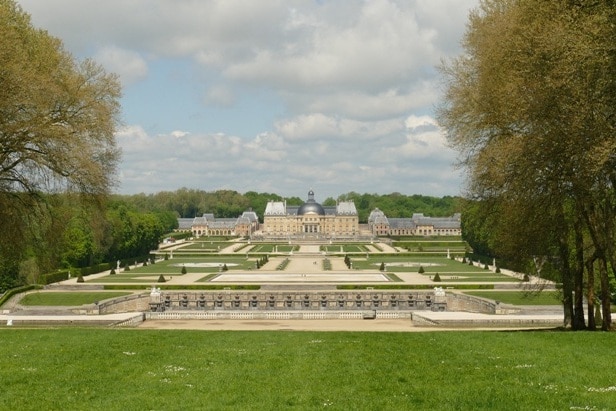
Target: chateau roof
(275,208)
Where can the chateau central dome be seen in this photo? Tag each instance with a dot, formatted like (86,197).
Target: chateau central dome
(311,206)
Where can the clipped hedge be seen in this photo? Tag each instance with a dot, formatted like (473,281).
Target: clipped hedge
(99,268)
(14,291)
(54,277)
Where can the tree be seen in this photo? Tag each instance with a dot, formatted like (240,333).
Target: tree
(530,106)
(57,123)
(58,116)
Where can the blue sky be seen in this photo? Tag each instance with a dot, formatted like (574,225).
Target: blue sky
(273,95)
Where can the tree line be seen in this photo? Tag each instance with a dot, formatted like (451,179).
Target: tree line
(190,203)
(63,232)
(531,108)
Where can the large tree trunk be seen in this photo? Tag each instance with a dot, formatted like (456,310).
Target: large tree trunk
(578,279)
(605,296)
(567,280)
(590,294)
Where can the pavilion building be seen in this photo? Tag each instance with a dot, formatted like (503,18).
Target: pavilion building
(209,225)
(417,225)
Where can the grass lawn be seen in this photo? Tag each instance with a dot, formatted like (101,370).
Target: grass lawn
(173,268)
(67,298)
(520,297)
(344,248)
(118,369)
(208,246)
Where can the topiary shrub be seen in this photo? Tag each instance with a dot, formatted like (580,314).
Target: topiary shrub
(498,270)
(382,268)
(485,266)
(463,260)
(421,270)
(437,278)
(225,268)
(526,278)
(80,279)
(127,267)
(112,272)
(166,256)
(184,269)
(161,279)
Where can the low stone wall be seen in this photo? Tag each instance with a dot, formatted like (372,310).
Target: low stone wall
(469,303)
(339,300)
(126,304)
(272,301)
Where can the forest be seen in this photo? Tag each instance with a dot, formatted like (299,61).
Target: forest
(189,203)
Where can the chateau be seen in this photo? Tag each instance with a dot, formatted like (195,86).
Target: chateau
(313,220)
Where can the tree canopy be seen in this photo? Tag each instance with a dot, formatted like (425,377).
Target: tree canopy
(530,106)
(189,203)
(57,123)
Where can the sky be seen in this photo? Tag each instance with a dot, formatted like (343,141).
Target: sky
(277,96)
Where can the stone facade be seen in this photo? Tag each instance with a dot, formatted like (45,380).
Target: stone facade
(206,225)
(311,219)
(417,225)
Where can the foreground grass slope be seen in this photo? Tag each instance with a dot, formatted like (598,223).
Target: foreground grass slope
(117,369)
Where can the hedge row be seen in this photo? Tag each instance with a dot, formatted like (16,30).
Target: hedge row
(14,291)
(54,277)
(99,268)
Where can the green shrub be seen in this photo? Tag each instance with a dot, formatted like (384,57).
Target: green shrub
(54,277)
(498,270)
(184,269)
(437,278)
(127,267)
(80,279)
(225,268)
(526,278)
(161,279)
(421,270)
(112,272)
(382,268)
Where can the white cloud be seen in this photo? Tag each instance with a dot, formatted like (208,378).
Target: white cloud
(318,126)
(179,134)
(129,65)
(424,140)
(219,95)
(273,95)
